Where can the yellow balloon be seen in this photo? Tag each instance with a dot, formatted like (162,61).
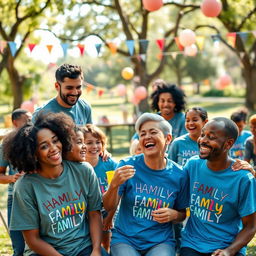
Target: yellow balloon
(127,73)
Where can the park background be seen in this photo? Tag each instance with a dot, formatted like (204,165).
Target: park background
(217,71)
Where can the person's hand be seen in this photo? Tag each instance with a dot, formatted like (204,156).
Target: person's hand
(107,223)
(163,215)
(221,252)
(122,174)
(241,164)
(16,176)
(96,252)
(105,155)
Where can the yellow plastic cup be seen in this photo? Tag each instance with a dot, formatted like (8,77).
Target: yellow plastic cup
(110,175)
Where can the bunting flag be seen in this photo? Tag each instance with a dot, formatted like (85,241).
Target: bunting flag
(130,45)
(49,48)
(231,39)
(98,48)
(200,42)
(31,47)
(112,47)
(243,36)
(100,92)
(160,43)
(2,46)
(180,46)
(81,49)
(143,57)
(144,45)
(215,38)
(64,47)
(13,48)
(89,87)
(174,55)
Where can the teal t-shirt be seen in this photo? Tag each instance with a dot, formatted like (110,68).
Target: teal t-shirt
(146,191)
(9,168)
(218,202)
(101,168)
(182,148)
(58,207)
(80,112)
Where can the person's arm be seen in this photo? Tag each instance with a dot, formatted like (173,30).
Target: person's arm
(108,221)
(105,155)
(242,164)
(38,245)
(6,179)
(111,197)
(95,223)
(163,215)
(242,238)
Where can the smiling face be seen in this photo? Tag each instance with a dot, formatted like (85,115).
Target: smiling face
(78,151)
(213,142)
(152,140)
(166,105)
(93,146)
(69,91)
(49,149)
(194,124)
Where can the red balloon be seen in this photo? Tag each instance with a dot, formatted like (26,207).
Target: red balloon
(140,93)
(225,80)
(211,8)
(28,105)
(152,5)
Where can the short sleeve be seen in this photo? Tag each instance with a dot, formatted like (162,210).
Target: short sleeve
(173,151)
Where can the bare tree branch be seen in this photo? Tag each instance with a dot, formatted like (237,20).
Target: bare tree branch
(248,16)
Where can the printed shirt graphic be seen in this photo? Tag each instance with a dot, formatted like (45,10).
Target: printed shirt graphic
(9,167)
(101,168)
(238,149)
(218,201)
(149,190)
(182,148)
(58,207)
(80,112)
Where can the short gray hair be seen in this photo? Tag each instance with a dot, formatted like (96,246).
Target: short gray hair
(164,125)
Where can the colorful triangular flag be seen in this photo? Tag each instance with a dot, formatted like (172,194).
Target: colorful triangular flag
(215,38)
(13,48)
(112,47)
(2,46)
(144,45)
(31,47)
(243,35)
(64,47)
(49,48)
(200,42)
(130,45)
(180,46)
(160,43)
(81,48)
(98,48)
(231,38)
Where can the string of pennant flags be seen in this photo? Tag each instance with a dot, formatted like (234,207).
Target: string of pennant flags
(144,43)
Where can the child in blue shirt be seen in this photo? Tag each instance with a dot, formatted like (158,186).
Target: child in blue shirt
(95,142)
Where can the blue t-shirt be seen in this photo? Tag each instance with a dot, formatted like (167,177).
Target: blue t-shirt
(101,168)
(218,201)
(182,148)
(238,149)
(146,191)
(80,112)
(11,170)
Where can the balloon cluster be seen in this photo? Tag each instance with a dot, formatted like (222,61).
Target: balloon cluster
(187,39)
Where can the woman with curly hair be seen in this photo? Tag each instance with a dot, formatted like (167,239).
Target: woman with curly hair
(169,102)
(57,203)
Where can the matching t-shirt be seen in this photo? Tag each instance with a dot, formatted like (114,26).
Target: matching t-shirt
(80,112)
(218,201)
(182,148)
(58,207)
(249,150)
(146,191)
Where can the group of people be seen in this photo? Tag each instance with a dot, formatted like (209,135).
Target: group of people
(62,203)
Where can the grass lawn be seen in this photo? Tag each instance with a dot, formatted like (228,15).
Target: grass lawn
(111,107)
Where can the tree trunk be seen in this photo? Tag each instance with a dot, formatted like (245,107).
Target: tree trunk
(17,82)
(250,80)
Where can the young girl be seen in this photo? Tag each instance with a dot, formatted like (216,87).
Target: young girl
(95,142)
(185,146)
(238,149)
(57,208)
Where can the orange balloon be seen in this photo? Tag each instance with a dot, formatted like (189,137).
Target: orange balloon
(152,5)
(127,73)
(211,8)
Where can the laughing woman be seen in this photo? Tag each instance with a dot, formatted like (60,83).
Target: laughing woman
(152,197)
(57,208)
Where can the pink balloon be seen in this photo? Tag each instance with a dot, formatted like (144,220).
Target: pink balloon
(134,100)
(152,5)
(187,37)
(211,8)
(28,105)
(190,50)
(225,80)
(121,90)
(140,93)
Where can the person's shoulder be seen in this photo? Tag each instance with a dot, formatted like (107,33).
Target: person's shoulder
(131,159)
(173,165)
(184,137)
(194,160)
(83,167)
(180,115)
(83,102)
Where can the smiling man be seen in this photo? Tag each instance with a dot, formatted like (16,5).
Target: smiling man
(69,82)
(222,202)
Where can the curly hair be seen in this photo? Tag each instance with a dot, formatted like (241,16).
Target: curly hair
(68,70)
(177,94)
(96,132)
(20,146)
